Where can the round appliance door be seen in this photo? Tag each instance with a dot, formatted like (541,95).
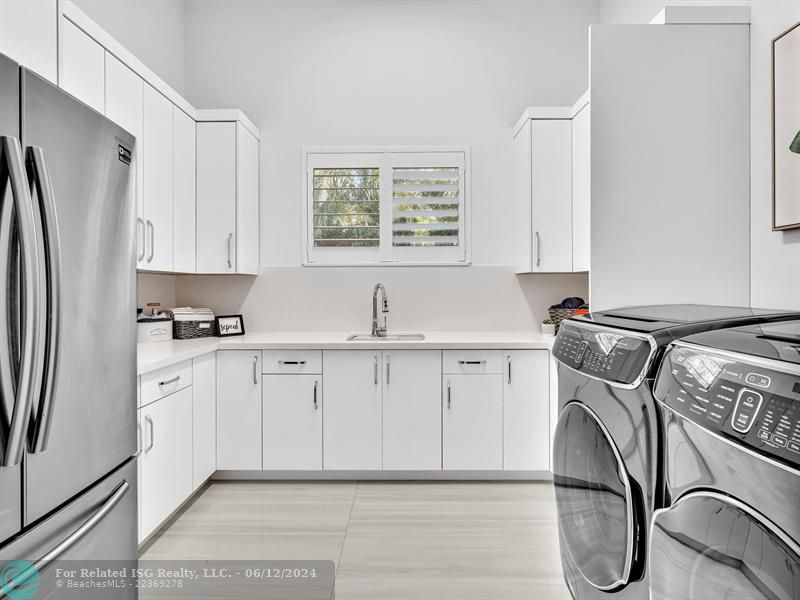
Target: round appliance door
(594,499)
(709,546)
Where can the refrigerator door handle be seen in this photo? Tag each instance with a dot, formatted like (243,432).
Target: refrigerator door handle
(140,227)
(13,167)
(81,532)
(39,179)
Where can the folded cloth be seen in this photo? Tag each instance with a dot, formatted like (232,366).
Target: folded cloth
(187,313)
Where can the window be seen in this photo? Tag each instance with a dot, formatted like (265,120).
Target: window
(386,206)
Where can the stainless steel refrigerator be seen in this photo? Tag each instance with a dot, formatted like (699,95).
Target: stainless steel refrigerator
(67,328)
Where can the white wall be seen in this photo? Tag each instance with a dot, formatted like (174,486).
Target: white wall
(414,72)
(153,30)
(774,256)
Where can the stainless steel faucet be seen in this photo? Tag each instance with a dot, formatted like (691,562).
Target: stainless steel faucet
(379,331)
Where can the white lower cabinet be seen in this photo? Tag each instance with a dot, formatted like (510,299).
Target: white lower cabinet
(204,418)
(292,422)
(166,458)
(472,422)
(412,426)
(239,410)
(352,429)
(526,410)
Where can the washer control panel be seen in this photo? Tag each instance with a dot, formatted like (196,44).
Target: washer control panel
(742,401)
(608,354)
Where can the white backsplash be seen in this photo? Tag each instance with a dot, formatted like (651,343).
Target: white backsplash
(340,299)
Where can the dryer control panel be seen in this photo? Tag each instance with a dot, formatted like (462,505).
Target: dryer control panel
(744,401)
(616,356)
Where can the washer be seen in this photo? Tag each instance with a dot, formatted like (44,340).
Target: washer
(607,445)
(731,406)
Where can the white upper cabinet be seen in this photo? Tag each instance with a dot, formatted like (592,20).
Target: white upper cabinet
(184,171)
(581,189)
(125,106)
(247,213)
(158,181)
(227,198)
(216,197)
(28,35)
(82,66)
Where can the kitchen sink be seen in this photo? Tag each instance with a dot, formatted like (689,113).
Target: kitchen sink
(390,337)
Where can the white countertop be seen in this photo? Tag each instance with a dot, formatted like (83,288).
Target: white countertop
(154,356)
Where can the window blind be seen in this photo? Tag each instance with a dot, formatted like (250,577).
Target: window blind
(346,207)
(425,206)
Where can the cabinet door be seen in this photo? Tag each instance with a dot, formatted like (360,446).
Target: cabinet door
(292,422)
(184,162)
(412,410)
(28,35)
(125,106)
(166,459)
(551,195)
(526,411)
(472,422)
(216,198)
(238,410)
(204,418)
(158,177)
(581,189)
(247,214)
(82,66)
(352,431)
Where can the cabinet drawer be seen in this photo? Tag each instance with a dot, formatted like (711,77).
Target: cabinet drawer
(471,361)
(164,382)
(292,361)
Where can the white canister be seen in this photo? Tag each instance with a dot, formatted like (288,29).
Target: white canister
(154,330)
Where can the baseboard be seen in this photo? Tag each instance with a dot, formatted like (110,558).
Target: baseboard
(382,476)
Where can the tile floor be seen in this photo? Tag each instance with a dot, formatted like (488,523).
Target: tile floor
(389,540)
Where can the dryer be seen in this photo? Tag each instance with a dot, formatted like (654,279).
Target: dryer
(731,406)
(607,445)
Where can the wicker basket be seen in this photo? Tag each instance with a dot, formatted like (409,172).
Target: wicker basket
(189,330)
(559,314)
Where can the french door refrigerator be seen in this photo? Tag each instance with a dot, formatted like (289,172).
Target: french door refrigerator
(67,329)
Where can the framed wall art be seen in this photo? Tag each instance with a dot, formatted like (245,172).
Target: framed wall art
(786,129)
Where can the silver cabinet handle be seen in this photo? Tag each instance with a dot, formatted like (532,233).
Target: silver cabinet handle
(292,362)
(175,379)
(449,396)
(230,239)
(508,360)
(152,229)
(16,416)
(149,420)
(255,370)
(138,437)
(388,370)
(375,369)
(538,249)
(81,532)
(39,179)
(316,404)
(472,362)
(140,237)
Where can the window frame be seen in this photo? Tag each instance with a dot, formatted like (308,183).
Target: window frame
(386,158)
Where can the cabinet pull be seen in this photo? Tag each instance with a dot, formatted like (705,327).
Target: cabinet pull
(508,359)
(388,371)
(175,379)
(140,227)
(291,362)
(152,229)
(538,249)
(472,362)
(255,370)
(449,396)
(316,405)
(152,443)
(375,370)
(230,238)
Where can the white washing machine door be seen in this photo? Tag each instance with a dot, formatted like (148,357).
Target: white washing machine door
(708,546)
